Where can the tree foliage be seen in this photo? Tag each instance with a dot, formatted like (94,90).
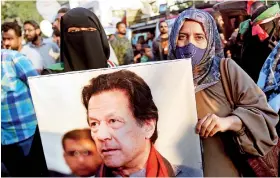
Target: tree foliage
(20,11)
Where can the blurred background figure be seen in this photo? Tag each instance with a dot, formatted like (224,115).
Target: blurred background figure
(11,36)
(141,40)
(60,13)
(12,39)
(150,38)
(48,50)
(260,36)
(220,25)
(122,46)
(138,53)
(56,36)
(148,54)
(160,45)
(269,80)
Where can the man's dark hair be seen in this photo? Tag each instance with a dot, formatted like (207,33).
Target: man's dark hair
(119,23)
(138,92)
(77,134)
(12,26)
(63,10)
(33,23)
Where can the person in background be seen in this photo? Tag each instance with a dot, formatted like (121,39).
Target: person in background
(56,36)
(147,55)
(60,13)
(111,37)
(160,45)
(11,36)
(122,46)
(12,39)
(269,80)
(247,126)
(84,43)
(141,40)
(260,36)
(220,25)
(21,147)
(49,51)
(150,38)
(138,53)
(80,153)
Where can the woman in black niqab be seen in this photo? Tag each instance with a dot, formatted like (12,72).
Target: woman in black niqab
(85,47)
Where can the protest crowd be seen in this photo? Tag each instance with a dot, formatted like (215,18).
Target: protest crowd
(236,80)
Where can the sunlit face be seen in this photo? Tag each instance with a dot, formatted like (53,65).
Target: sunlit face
(163,28)
(192,32)
(82,157)
(11,40)
(30,33)
(120,140)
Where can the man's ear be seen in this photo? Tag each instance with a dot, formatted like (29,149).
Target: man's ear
(20,39)
(38,31)
(149,127)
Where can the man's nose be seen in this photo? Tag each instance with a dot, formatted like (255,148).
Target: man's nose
(80,158)
(103,132)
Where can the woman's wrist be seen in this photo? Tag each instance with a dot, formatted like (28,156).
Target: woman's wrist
(236,123)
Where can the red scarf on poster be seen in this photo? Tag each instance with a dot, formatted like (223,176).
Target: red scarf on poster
(157,166)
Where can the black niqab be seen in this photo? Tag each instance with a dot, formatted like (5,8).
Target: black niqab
(83,50)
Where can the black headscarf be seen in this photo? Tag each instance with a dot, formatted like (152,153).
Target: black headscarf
(84,49)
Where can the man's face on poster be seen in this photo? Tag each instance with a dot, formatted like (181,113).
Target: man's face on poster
(119,138)
(82,157)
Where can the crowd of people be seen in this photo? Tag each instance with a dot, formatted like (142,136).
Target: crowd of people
(237,99)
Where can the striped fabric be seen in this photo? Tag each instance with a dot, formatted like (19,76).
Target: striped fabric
(111,64)
(18,119)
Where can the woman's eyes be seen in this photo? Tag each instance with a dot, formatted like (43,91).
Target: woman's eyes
(200,38)
(75,29)
(182,37)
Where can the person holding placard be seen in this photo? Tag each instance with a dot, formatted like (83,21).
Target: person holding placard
(232,110)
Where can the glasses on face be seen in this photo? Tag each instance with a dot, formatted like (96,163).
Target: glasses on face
(79,153)
(28,30)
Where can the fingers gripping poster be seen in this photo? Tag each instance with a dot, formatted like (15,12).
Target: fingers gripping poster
(92,122)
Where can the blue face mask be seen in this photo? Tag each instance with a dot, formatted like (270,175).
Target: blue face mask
(190,51)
